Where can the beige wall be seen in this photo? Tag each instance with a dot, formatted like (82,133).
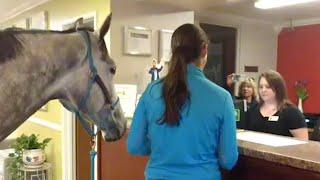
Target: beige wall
(134,69)
(257,40)
(61,10)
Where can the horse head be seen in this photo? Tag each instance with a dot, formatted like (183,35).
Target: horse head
(73,66)
(91,95)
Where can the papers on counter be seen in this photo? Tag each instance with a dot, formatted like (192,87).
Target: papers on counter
(267,139)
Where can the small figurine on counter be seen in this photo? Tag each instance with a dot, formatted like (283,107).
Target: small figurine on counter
(155,70)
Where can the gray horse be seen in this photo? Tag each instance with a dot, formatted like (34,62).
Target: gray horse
(73,66)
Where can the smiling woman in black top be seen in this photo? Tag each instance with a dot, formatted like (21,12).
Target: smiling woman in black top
(275,113)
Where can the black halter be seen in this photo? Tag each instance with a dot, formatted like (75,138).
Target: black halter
(94,78)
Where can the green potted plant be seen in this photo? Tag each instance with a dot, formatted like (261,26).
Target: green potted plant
(302,92)
(29,152)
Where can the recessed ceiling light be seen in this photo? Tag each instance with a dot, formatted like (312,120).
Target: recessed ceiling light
(268,4)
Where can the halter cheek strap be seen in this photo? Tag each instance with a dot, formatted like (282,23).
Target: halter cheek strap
(94,76)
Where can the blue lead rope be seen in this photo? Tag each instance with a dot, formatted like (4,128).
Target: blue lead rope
(93,154)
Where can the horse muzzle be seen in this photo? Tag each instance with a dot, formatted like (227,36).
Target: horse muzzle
(112,136)
(112,123)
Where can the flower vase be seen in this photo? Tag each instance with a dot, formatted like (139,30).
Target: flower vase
(300,105)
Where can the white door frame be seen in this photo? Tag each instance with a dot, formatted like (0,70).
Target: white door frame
(68,145)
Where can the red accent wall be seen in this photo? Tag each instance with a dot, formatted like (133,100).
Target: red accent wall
(299,59)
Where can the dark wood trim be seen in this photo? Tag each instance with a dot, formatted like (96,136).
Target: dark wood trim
(249,168)
(116,163)
(83,148)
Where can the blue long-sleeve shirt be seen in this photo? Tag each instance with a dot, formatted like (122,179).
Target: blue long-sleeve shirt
(204,142)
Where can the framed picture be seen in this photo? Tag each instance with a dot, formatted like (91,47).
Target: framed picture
(165,45)
(137,41)
(39,20)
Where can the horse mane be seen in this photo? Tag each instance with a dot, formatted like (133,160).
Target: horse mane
(11,46)
(15,30)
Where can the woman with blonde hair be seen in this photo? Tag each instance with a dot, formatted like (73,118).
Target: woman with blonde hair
(248,91)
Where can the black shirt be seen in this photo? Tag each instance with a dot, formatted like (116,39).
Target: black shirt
(280,123)
(253,103)
(239,105)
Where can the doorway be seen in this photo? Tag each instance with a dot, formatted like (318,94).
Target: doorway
(221,52)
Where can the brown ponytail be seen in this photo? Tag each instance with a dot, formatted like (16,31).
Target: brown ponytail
(186,44)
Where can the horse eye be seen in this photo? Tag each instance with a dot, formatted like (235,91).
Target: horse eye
(113,70)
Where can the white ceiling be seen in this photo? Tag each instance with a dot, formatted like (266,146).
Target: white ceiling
(12,8)
(244,8)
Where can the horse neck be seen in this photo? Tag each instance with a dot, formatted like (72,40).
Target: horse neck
(34,76)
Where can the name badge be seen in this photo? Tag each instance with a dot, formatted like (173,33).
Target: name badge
(273,118)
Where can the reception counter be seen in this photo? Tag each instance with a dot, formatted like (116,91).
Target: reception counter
(263,157)
(257,160)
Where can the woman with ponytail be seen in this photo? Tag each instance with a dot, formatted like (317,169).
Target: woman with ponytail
(184,122)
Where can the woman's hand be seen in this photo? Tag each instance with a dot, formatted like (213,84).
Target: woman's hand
(230,79)
(301,133)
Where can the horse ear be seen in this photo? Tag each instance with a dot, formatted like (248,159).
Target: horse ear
(78,24)
(105,27)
